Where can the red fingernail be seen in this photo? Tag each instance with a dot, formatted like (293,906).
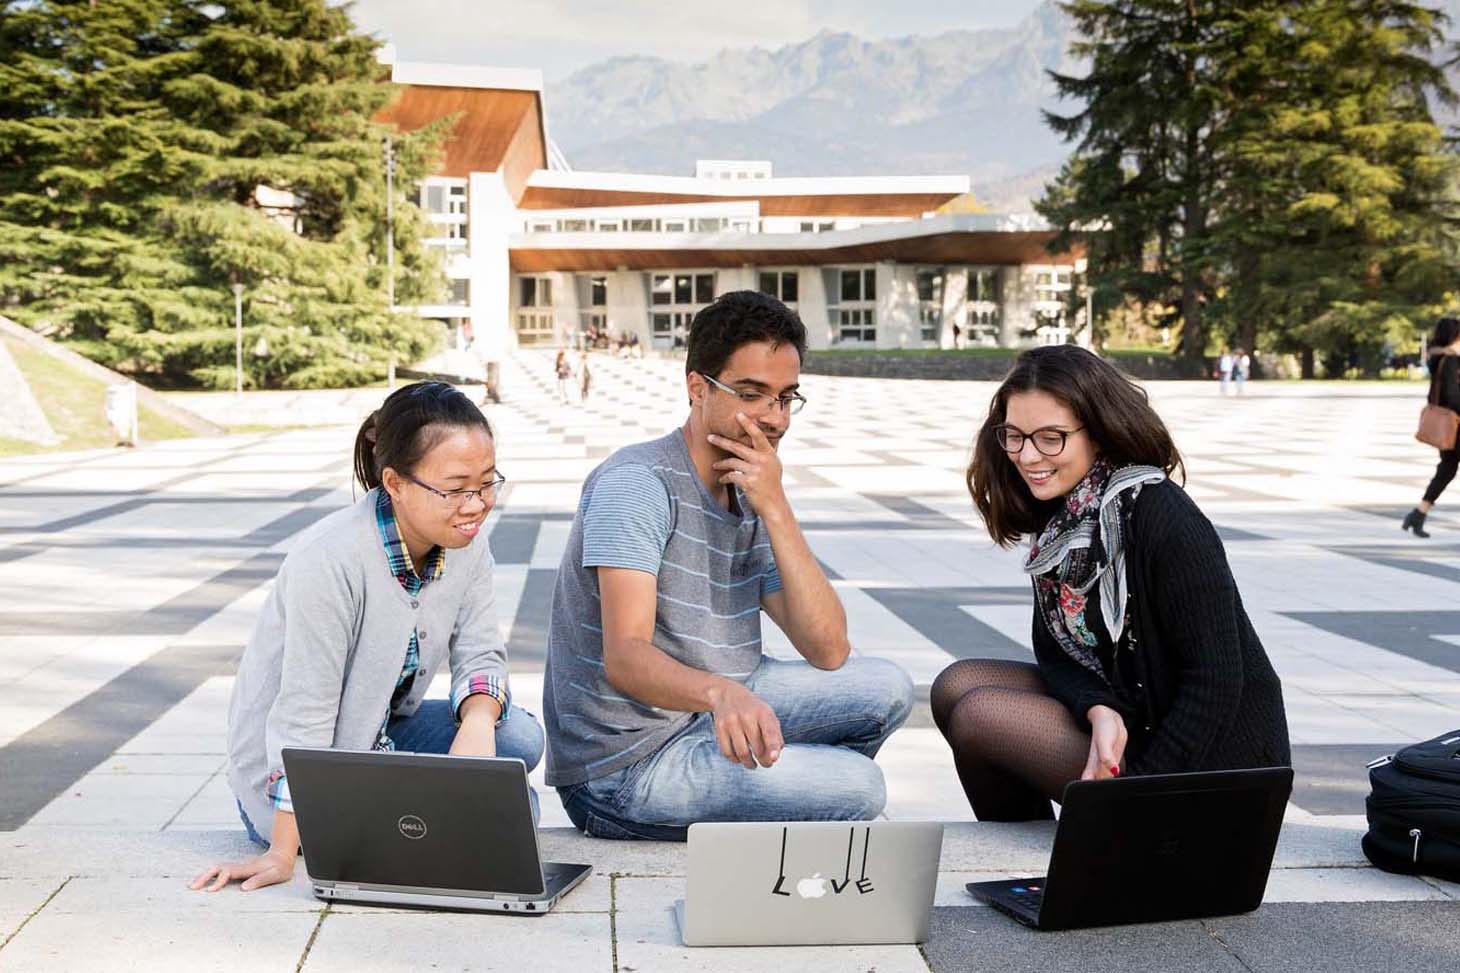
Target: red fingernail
(1115,771)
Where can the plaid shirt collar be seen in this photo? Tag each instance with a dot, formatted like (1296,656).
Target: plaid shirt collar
(395,549)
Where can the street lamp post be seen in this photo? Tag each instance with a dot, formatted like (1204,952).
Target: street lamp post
(238,339)
(389,225)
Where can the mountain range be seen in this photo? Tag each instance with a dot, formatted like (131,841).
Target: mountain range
(960,102)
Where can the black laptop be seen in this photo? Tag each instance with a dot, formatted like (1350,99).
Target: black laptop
(424,830)
(1153,849)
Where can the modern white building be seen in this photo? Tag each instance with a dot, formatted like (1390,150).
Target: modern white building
(537,253)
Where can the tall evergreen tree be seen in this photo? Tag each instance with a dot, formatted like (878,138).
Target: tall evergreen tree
(1140,188)
(1271,164)
(167,149)
(1344,225)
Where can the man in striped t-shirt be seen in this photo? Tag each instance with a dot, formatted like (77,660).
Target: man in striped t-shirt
(660,708)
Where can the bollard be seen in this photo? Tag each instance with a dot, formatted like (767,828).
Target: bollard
(121,412)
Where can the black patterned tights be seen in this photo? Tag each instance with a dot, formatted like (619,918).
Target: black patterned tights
(1014,745)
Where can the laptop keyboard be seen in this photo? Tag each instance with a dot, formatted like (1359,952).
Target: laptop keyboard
(1030,897)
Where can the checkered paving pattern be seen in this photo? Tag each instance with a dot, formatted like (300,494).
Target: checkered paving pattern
(117,562)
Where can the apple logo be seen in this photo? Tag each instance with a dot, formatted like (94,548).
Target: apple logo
(811,888)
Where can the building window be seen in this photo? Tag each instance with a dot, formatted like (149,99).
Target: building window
(676,226)
(541,226)
(984,307)
(930,302)
(574,226)
(854,315)
(641,226)
(784,285)
(817,226)
(709,226)
(609,226)
(535,291)
(460,291)
(674,299)
(598,292)
(443,199)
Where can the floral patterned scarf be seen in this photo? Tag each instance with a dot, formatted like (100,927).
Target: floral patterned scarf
(1082,545)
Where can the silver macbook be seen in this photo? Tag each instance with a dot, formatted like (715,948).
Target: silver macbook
(810,883)
(425,830)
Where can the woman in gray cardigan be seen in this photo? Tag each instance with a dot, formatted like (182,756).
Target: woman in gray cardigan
(366,607)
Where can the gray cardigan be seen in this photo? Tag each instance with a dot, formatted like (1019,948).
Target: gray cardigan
(330,642)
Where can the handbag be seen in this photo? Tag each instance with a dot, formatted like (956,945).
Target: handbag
(1438,425)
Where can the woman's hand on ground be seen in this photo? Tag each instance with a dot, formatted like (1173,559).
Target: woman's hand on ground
(1107,743)
(270,868)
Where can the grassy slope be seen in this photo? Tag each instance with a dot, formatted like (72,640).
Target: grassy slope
(74,403)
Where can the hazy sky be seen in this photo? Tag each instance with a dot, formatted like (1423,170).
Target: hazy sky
(561,36)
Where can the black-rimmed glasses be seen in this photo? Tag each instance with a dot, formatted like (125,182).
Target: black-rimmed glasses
(1049,441)
(460,498)
(791,403)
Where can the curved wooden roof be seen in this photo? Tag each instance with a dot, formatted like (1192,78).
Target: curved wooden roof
(939,248)
(838,204)
(494,129)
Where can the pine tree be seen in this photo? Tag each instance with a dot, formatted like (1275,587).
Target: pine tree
(168,149)
(1140,188)
(1344,242)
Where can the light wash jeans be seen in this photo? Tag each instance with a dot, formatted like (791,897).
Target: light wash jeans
(432,727)
(833,723)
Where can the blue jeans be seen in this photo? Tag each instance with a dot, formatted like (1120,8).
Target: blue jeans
(432,727)
(833,723)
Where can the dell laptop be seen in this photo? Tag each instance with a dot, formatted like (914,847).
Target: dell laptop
(810,883)
(425,830)
(1153,849)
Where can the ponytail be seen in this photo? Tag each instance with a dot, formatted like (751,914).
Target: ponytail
(411,421)
(365,470)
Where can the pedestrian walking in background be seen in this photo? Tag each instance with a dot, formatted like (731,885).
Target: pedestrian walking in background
(563,371)
(1444,394)
(587,378)
(1241,367)
(1224,371)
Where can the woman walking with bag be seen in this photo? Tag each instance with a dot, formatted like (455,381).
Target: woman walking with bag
(1439,419)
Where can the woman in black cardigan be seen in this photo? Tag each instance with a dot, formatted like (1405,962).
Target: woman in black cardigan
(1445,390)
(1146,660)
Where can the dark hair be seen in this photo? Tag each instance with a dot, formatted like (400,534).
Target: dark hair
(739,318)
(412,420)
(1115,412)
(1447,329)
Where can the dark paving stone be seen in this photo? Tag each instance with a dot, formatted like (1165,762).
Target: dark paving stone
(1229,534)
(1339,937)
(1287,937)
(527,646)
(43,762)
(1332,778)
(974,938)
(1406,632)
(920,514)
(513,539)
(1414,556)
(935,613)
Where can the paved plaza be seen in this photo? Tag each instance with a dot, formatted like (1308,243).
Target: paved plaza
(131,579)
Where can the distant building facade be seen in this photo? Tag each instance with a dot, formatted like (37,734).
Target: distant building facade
(537,254)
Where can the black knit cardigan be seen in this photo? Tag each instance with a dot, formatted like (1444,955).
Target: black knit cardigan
(1195,687)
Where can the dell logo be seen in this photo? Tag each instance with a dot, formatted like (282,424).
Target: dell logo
(411,826)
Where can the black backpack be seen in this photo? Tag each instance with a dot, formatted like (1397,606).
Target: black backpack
(1414,809)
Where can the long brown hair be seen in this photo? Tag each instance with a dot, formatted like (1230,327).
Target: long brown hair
(1115,412)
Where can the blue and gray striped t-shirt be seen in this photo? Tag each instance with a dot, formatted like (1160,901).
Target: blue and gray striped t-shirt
(646,508)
